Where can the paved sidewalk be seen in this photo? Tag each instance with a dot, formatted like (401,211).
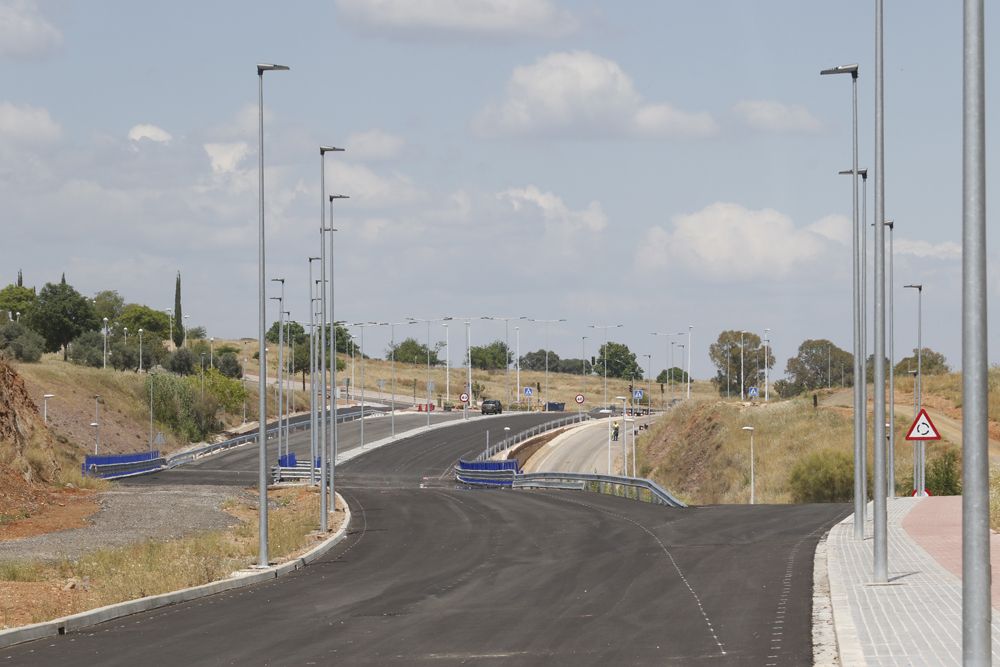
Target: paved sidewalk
(916,618)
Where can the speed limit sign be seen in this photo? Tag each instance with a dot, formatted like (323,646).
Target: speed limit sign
(464,397)
(579,398)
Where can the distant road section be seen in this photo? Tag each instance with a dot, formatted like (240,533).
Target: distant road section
(583,449)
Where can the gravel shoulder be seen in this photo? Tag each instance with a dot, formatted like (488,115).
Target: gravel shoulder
(132,514)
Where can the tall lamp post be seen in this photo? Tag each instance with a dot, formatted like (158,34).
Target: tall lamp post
(331,284)
(766,343)
(860,484)
(605,327)
(262,556)
(97,422)
(546,324)
(690,327)
(752,496)
(447,365)
(919,485)
(976,605)
(313,402)
(891,484)
(140,350)
(105,343)
(624,434)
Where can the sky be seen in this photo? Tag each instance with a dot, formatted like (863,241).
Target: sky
(660,165)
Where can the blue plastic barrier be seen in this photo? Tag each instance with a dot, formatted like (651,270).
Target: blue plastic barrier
(117,459)
(288,460)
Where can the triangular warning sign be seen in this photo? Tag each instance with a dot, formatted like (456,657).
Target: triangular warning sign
(923,428)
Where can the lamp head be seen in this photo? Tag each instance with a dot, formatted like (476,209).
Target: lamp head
(842,69)
(270,67)
(330,149)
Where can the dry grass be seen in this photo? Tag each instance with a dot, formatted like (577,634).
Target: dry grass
(108,576)
(700,452)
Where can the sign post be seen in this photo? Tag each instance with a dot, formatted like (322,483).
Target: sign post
(579,402)
(921,430)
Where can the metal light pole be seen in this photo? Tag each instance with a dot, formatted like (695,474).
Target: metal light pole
(976,609)
(546,324)
(766,342)
(417,320)
(517,353)
(313,403)
(334,427)
(362,326)
(151,376)
(140,350)
(105,343)
(752,496)
(918,385)
(447,365)
(860,490)
(690,327)
(184,330)
(97,423)
(262,557)
(125,334)
(45,407)
(624,434)
(281,353)
(682,346)
(605,327)
(891,484)
(742,380)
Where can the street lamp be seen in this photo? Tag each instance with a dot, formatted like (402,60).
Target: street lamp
(211,348)
(333,359)
(184,330)
(742,380)
(546,323)
(97,422)
(281,354)
(605,327)
(45,407)
(624,433)
(750,429)
(860,485)
(918,449)
(125,334)
(313,399)
(105,342)
(262,556)
(649,381)
(891,485)
(766,341)
(140,350)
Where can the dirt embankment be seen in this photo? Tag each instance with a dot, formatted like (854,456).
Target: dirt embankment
(33,467)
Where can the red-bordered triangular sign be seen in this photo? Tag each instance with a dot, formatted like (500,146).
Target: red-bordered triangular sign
(923,428)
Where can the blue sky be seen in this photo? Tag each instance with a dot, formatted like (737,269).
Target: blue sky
(655,164)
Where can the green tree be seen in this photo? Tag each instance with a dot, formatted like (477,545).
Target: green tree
(108,303)
(136,316)
(674,374)
(195,333)
(621,361)
(60,314)
(573,366)
(819,363)
(492,356)
(293,329)
(182,361)
(229,365)
(16,299)
(20,342)
(535,361)
(931,363)
(178,332)
(725,354)
(411,351)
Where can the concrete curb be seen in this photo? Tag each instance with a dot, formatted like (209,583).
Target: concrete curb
(848,645)
(61,626)
(824,631)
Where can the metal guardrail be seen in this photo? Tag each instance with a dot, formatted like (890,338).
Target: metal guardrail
(113,470)
(512,440)
(297,424)
(299,472)
(548,479)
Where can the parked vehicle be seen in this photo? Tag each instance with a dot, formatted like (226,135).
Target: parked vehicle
(492,407)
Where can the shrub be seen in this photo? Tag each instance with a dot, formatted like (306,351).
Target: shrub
(944,475)
(20,342)
(87,349)
(229,366)
(181,361)
(826,476)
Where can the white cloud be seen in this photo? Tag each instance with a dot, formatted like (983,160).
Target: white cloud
(150,132)
(926,250)
(226,158)
(459,17)
(24,32)
(368,189)
(834,227)
(374,145)
(775,117)
(558,219)
(581,94)
(27,125)
(725,241)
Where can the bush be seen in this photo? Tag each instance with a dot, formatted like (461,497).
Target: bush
(944,475)
(229,366)
(181,361)
(826,476)
(20,342)
(87,349)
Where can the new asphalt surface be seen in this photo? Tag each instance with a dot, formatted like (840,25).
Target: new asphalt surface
(433,573)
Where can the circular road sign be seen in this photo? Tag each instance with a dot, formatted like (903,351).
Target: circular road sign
(579,398)
(464,397)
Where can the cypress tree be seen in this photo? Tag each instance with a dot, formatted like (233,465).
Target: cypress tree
(178,332)
(20,279)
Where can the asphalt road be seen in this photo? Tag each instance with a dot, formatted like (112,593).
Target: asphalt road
(583,449)
(432,573)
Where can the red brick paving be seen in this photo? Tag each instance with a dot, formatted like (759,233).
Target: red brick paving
(936,525)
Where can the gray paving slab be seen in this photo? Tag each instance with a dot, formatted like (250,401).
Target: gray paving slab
(915,619)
